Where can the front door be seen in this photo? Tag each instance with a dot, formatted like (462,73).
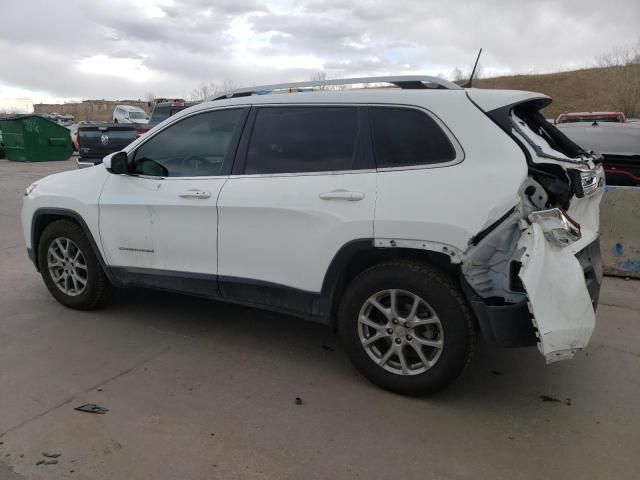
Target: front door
(161,219)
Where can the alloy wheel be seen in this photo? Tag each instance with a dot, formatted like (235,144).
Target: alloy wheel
(400,332)
(67,266)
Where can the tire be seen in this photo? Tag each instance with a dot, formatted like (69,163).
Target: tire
(442,329)
(96,290)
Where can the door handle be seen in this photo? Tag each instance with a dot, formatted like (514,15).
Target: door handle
(195,193)
(342,195)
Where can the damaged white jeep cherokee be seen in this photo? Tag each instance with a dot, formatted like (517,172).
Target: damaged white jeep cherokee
(408,218)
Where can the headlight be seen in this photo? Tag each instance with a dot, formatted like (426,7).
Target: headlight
(30,188)
(558,227)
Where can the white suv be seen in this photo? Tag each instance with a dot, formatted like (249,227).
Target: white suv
(129,114)
(408,218)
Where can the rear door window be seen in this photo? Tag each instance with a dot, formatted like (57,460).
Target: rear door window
(304,139)
(406,137)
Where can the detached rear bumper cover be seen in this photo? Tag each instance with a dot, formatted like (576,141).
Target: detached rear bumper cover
(559,299)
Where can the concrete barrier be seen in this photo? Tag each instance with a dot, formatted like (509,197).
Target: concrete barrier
(620,231)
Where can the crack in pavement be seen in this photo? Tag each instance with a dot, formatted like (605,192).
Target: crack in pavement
(93,387)
(617,305)
(620,350)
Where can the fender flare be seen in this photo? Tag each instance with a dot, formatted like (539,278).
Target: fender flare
(71,214)
(334,274)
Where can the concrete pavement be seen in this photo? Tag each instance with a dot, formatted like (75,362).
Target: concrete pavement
(198,389)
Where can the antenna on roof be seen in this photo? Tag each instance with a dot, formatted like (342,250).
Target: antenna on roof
(473,72)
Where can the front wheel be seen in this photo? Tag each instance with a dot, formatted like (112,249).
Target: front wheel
(406,327)
(69,267)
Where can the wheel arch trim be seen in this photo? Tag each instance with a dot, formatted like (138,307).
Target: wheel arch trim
(332,285)
(68,214)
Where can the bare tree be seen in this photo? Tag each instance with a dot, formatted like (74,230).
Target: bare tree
(462,76)
(200,93)
(457,75)
(320,76)
(150,98)
(207,90)
(623,65)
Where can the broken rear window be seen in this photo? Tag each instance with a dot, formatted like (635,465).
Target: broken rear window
(545,139)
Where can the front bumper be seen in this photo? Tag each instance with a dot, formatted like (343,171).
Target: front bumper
(512,324)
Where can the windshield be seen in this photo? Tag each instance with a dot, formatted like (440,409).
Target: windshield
(137,114)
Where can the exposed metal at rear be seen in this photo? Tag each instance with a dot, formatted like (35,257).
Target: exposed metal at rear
(539,270)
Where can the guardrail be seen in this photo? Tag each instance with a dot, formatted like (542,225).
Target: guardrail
(620,231)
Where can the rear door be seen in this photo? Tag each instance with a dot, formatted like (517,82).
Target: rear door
(162,219)
(420,195)
(303,186)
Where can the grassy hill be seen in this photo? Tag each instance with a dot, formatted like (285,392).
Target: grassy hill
(575,91)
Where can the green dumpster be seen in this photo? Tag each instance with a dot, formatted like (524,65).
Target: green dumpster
(32,138)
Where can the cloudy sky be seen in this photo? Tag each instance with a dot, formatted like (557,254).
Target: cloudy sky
(66,50)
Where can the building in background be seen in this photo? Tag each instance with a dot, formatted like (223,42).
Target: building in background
(88,110)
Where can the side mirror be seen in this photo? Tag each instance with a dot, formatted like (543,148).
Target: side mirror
(116,163)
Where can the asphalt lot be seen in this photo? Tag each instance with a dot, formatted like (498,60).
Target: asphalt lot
(198,390)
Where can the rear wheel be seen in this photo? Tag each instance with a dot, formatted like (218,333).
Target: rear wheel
(406,327)
(69,267)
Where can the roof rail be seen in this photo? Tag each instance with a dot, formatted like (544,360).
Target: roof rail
(403,81)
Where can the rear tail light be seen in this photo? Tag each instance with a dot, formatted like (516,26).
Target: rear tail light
(141,131)
(558,227)
(587,182)
(592,180)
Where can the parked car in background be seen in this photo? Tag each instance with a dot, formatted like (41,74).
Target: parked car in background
(92,151)
(576,117)
(73,132)
(407,218)
(130,114)
(96,140)
(162,111)
(619,143)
